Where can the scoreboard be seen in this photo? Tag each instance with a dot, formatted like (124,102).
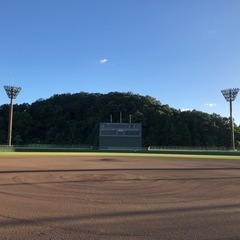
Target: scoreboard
(120,135)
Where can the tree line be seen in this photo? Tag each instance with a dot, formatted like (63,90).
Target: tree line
(74,119)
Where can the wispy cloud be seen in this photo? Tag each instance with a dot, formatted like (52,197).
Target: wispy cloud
(210,105)
(103,61)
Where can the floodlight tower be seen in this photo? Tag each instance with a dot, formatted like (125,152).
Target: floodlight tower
(230,95)
(12,93)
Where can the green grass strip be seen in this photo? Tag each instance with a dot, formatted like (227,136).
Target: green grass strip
(116,154)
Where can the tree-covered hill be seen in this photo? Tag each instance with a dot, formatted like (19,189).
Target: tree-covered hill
(75,118)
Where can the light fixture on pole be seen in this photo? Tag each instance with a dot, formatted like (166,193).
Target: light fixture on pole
(12,93)
(230,95)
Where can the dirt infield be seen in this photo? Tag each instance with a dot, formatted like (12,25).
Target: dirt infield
(118,197)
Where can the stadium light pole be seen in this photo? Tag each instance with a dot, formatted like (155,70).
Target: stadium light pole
(12,93)
(230,95)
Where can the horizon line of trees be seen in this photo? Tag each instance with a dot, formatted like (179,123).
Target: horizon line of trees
(75,118)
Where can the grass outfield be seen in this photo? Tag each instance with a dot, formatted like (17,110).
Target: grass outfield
(218,155)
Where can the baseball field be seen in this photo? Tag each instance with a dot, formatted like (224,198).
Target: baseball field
(119,196)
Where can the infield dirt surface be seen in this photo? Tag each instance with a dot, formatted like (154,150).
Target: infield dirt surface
(77,196)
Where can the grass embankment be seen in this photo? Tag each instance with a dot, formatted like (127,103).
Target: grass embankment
(146,154)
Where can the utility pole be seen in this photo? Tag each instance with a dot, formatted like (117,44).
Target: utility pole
(12,93)
(230,95)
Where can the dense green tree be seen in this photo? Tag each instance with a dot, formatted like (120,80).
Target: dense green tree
(74,119)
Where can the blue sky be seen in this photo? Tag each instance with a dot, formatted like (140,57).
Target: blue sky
(181,52)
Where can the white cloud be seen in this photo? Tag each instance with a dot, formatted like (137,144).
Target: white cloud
(212,32)
(211,105)
(186,110)
(103,61)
